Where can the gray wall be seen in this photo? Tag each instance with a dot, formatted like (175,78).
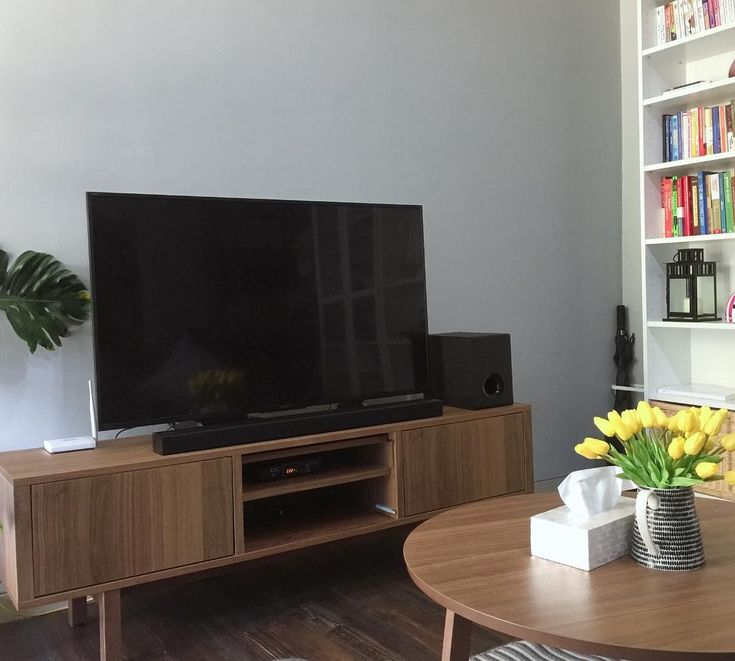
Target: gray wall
(501,118)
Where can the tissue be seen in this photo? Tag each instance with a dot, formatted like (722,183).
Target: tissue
(589,492)
(594,525)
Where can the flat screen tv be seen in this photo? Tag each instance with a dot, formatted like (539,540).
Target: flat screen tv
(208,309)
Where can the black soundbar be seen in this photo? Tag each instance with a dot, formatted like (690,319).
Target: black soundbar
(249,431)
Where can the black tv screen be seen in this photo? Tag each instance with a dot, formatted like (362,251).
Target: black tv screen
(208,309)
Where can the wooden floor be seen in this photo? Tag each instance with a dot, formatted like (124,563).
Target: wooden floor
(331,603)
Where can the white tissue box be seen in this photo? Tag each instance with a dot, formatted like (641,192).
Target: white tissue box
(557,536)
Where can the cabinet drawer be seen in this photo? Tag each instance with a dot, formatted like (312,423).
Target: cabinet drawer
(452,464)
(98,529)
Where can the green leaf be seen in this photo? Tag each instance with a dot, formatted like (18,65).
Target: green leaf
(686,481)
(41,298)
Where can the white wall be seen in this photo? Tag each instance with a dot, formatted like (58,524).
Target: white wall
(501,118)
(630,173)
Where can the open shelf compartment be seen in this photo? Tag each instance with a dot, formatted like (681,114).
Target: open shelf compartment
(353,488)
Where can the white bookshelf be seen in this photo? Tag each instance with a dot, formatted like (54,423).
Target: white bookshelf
(681,353)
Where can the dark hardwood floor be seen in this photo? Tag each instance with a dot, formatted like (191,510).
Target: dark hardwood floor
(337,602)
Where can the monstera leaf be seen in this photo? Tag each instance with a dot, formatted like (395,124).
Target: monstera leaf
(41,298)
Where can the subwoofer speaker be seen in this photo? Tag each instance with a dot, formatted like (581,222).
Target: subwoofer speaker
(471,370)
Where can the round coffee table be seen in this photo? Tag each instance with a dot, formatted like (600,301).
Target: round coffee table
(475,561)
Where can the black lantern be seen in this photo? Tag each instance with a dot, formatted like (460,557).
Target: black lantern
(691,287)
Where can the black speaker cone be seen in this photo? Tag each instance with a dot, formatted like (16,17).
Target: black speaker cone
(493,386)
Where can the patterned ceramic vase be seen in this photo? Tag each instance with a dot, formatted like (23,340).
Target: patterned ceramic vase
(666,531)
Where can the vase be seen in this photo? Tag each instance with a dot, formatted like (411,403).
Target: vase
(666,532)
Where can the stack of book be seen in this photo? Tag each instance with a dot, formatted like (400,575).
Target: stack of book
(698,204)
(699,132)
(683,18)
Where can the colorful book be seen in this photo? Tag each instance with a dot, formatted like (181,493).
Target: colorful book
(702,190)
(694,197)
(714,182)
(729,221)
(708,130)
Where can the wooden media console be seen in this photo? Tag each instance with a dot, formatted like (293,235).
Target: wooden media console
(96,521)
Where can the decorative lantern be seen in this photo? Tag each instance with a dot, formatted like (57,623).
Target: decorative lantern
(691,287)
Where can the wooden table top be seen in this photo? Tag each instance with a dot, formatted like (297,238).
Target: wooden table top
(476,561)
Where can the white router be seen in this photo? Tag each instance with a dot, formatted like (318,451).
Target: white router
(76,442)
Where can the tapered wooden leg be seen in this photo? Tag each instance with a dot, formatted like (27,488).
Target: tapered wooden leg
(457,632)
(76,613)
(110,626)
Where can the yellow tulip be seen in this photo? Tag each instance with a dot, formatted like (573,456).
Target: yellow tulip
(646,414)
(600,448)
(673,424)
(730,478)
(622,431)
(680,420)
(706,469)
(690,422)
(705,413)
(728,442)
(694,444)
(714,424)
(662,419)
(676,448)
(709,445)
(630,418)
(604,426)
(585,451)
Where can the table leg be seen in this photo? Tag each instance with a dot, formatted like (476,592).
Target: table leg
(76,613)
(457,632)
(110,626)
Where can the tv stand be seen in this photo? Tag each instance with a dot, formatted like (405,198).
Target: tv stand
(97,521)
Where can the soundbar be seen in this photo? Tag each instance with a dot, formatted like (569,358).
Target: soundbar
(250,431)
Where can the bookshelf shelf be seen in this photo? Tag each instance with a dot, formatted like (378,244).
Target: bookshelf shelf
(704,238)
(678,354)
(691,400)
(695,45)
(693,325)
(684,165)
(695,95)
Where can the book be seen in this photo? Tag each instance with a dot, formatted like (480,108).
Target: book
(666,203)
(714,182)
(694,197)
(702,203)
(694,137)
(702,149)
(666,138)
(727,182)
(700,15)
(674,138)
(686,206)
(660,24)
(684,138)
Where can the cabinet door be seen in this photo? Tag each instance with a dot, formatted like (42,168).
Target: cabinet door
(451,464)
(97,529)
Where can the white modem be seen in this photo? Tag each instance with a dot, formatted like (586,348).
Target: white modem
(76,442)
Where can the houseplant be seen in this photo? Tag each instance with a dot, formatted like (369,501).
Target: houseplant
(41,298)
(665,457)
